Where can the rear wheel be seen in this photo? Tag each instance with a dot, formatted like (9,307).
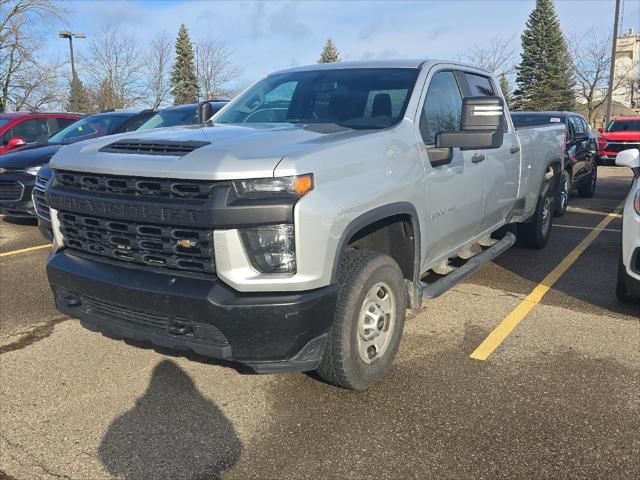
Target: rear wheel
(535,233)
(562,197)
(368,323)
(589,189)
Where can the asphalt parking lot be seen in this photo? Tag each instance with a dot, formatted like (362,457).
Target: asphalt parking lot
(558,398)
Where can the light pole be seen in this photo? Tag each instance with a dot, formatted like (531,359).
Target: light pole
(612,70)
(70,36)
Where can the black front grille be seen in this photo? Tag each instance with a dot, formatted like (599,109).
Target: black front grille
(10,190)
(162,246)
(135,186)
(156,321)
(619,147)
(153,147)
(40,202)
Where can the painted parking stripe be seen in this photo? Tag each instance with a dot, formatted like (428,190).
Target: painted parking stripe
(616,230)
(615,213)
(502,331)
(25,250)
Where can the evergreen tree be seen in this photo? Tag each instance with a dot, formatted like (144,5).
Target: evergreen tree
(544,79)
(506,89)
(79,100)
(184,86)
(329,53)
(108,99)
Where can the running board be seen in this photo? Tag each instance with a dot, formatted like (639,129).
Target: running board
(437,288)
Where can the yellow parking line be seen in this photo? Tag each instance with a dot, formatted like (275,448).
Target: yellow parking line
(502,331)
(596,212)
(615,230)
(25,250)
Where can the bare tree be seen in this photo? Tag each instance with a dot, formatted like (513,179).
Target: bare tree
(25,80)
(498,56)
(215,70)
(591,54)
(157,68)
(114,56)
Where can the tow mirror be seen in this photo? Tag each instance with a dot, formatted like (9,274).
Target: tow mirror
(204,112)
(15,142)
(481,126)
(630,158)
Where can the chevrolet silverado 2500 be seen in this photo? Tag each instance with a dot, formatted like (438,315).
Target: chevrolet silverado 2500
(293,230)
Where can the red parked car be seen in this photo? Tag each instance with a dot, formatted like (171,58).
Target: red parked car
(622,133)
(19,128)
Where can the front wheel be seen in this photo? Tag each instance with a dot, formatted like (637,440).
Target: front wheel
(562,197)
(368,323)
(589,189)
(535,233)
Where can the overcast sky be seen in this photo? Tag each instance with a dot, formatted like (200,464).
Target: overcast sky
(267,36)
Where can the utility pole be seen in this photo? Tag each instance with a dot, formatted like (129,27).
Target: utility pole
(71,36)
(613,63)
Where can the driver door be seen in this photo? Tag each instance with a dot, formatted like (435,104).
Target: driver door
(454,184)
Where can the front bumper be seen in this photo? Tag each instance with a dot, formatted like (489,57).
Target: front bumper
(15,194)
(269,332)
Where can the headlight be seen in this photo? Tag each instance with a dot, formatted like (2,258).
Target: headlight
(33,170)
(274,187)
(636,203)
(271,249)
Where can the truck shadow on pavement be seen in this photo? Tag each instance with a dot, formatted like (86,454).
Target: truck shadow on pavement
(172,432)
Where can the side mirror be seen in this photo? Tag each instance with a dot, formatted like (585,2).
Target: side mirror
(481,126)
(630,158)
(204,112)
(600,130)
(15,142)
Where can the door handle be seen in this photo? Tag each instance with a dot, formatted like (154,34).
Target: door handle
(477,157)
(514,149)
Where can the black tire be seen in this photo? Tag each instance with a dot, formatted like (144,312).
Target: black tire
(587,190)
(535,233)
(360,272)
(621,289)
(562,196)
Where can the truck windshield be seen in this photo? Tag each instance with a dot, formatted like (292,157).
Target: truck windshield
(631,125)
(172,118)
(358,98)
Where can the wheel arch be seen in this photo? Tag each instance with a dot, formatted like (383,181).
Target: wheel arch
(375,219)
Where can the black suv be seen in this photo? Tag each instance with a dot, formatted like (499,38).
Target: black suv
(580,165)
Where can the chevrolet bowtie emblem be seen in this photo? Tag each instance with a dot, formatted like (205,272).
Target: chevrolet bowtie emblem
(2,170)
(186,243)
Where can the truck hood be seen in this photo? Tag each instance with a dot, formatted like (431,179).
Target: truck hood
(28,157)
(233,151)
(620,136)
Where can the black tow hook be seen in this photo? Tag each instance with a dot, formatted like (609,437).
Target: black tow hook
(177,327)
(72,300)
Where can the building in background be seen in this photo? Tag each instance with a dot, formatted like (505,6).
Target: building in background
(626,69)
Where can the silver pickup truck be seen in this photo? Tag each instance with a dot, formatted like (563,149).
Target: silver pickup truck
(293,230)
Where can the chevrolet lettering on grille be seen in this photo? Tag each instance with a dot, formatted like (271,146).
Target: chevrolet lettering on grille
(123,210)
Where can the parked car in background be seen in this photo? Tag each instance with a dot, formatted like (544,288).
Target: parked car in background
(628,284)
(18,168)
(186,114)
(622,133)
(20,128)
(580,165)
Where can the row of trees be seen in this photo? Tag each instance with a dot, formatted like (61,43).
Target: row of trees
(115,70)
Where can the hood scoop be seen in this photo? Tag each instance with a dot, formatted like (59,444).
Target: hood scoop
(153,147)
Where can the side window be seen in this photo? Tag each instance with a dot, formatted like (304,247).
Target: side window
(32,130)
(65,122)
(480,86)
(585,125)
(442,106)
(577,126)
